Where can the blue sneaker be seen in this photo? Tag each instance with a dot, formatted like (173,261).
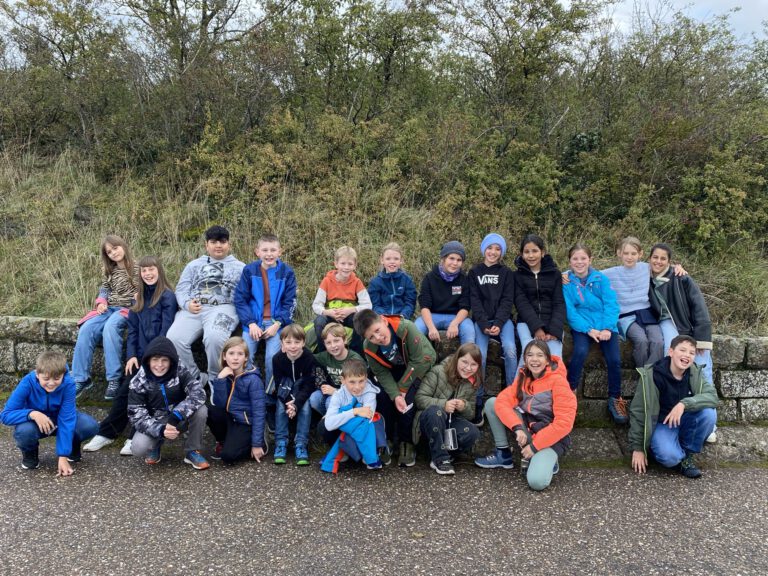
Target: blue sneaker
(153,456)
(302,456)
(281,451)
(197,460)
(617,407)
(501,458)
(81,387)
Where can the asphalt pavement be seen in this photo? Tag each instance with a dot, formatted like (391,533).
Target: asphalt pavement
(119,516)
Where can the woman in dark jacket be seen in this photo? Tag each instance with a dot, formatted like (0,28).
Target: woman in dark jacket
(539,296)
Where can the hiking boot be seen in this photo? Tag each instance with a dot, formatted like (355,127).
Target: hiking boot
(442,468)
(501,458)
(375,465)
(302,456)
(617,407)
(407,455)
(712,438)
(688,467)
(196,459)
(126,450)
(81,387)
(29,460)
(97,443)
(153,456)
(112,387)
(217,451)
(281,450)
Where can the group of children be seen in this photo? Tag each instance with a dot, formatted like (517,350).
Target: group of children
(386,384)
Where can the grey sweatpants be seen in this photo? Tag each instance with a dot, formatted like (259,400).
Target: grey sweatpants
(142,444)
(215,323)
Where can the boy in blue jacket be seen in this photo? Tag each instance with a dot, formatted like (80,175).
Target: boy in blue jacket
(265,299)
(42,405)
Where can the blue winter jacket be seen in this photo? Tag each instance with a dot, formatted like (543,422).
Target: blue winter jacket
(249,294)
(150,322)
(593,305)
(58,405)
(393,294)
(243,397)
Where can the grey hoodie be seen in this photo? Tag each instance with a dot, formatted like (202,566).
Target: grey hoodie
(208,279)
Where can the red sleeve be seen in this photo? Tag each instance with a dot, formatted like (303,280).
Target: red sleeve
(506,402)
(564,409)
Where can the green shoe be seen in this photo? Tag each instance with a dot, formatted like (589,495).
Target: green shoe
(302,456)
(281,450)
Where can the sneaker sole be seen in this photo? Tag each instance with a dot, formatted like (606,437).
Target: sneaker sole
(491,466)
(152,462)
(201,466)
(407,464)
(279,460)
(35,467)
(302,462)
(441,472)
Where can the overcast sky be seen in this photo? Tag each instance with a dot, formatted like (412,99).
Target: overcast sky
(744,22)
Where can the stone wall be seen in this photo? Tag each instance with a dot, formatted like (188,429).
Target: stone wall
(741,367)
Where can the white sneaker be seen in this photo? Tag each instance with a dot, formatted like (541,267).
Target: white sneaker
(97,443)
(712,438)
(126,449)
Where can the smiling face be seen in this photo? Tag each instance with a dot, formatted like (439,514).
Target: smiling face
(159,365)
(344,268)
(218,249)
(629,255)
(452,263)
(391,261)
(268,253)
(114,253)
(659,261)
(235,358)
(293,347)
(536,361)
(379,333)
(50,382)
(149,275)
(336,346)
(580,263)
(681,358)
(492,255)
(532,256)
(466,366)
(354,384)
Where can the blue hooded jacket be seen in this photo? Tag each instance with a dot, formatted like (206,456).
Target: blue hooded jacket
(393,294)
(592,305)
(58,405)
(150,322)
(249,294)
(243,397)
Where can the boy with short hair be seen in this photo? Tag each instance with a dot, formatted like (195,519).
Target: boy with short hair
(399,356)
(340,296)
(296,375)
(164,401)
(205,295)
(352,410)
(265,299)
(673,410)
(42,405)
(334,338)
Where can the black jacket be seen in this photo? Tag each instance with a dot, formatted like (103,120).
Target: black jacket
(539,297)
(492,294)
(686,306)
(442,297)
(304,375)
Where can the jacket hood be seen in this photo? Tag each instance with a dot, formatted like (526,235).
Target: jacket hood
(591,275)
(393,275)
(547,264)
(161,346)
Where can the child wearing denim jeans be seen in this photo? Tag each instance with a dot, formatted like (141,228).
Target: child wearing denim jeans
(296,375)
(332,360)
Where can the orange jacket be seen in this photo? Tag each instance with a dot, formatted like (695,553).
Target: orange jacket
(548,404)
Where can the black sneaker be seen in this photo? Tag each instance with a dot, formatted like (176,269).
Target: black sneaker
(29,460)
(76,455)
(442,468)
(688,467)
(112,388)
(81,387)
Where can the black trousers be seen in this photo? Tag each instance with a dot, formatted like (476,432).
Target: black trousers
(234,436)
(398,426)
(117,419)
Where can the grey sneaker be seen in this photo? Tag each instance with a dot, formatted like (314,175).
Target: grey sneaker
(407,455)
(442,468)
(112,387)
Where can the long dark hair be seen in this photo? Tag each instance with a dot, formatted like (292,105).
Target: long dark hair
(452,369)
(525,373)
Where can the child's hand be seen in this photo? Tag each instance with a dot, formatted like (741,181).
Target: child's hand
(675,415)
(679,270)
(44,424)
(364,411)
(327,389)
(453,330)
(290,409)
(101,307)
(257,453)
(433,334)
(566,279)
(493,331)
(540,334)
(226,371)
(521,438)
(639,461)
(342,313)
(131,365)
(271,331)
(65,468)
(594,334)
(400,403)
(194,306)
(171,432)
(254,331)
(526,452)
(605,335)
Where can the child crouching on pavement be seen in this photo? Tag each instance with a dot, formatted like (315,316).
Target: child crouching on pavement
(42,405)
(352,410)
(164,401)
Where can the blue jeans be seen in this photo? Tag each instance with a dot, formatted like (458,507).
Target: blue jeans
(319,402)
(272,348)
(466,328)
(555,346)
(703,358)
(610,350)
(27,435)
(670,445)
(303,419)
(107,329)
(507,338)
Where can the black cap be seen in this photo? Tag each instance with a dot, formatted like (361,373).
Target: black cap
(216,233)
